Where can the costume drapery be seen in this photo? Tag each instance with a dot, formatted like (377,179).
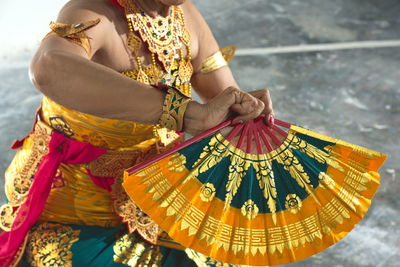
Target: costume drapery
(65,201)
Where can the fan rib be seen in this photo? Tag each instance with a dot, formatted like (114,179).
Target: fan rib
(272,135)
(243,134)
(234,132)
(257,139)
(248,143)
(282,123)
(264,138)
(280,131)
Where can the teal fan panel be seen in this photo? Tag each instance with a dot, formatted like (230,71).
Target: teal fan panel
(249,187)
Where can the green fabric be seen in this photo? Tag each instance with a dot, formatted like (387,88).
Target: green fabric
(95,247)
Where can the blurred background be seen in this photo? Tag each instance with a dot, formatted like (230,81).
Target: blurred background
(332,66)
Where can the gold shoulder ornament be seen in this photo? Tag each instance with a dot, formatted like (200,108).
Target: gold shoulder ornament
(218,60)
(74,32)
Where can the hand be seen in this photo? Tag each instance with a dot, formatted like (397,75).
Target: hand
(265,97)
(199,118)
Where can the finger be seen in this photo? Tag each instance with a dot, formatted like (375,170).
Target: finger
(244,108)
(256,111)
(226,98)
(265,97)
(258,93)
(249,105)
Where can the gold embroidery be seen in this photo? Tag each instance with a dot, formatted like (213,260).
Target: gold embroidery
(131,214)
(20,180)
(296,170)
(249,209)
(202,260)
(173,110)
(238,239)
(20,253)
(59,124)
(293,203)
(106,133)
(132,251)
(212,154)
(295,235)
(50,244)
(94,139)
(218,148)
(113,162)
(237,170)
(80,201)
(207,192)
(7,217)
(266,181)
(326,180)
(177,163)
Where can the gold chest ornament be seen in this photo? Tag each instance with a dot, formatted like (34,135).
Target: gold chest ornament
(166,38)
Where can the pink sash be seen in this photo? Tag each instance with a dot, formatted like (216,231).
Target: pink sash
(61,150)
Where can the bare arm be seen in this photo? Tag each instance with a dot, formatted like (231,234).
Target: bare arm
(209,85)
(61,71)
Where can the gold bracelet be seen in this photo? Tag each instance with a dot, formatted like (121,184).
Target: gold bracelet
(174,108)
(218,60)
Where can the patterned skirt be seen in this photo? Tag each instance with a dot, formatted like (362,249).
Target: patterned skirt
(55,244)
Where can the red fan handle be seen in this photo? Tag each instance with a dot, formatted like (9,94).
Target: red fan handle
(263,135)
(255,130)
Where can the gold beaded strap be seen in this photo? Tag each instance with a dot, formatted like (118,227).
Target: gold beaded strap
(73,32)
(174,108)
(218,60)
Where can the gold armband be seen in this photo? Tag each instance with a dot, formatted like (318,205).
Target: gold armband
(174,108)
(73,32)
(218,60)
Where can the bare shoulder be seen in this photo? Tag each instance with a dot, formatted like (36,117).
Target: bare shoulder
(81,11)
(191,12)
(195,24)
(203,40)
(76,11)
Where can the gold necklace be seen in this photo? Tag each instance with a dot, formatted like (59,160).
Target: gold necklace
(164,37)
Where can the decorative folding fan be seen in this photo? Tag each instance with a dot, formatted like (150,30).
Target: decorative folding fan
(255,194)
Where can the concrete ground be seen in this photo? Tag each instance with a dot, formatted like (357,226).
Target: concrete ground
(350,94)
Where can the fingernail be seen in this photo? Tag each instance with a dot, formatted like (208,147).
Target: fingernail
(271,119)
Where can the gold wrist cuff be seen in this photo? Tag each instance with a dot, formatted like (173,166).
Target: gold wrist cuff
(174,108)
(218,60)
